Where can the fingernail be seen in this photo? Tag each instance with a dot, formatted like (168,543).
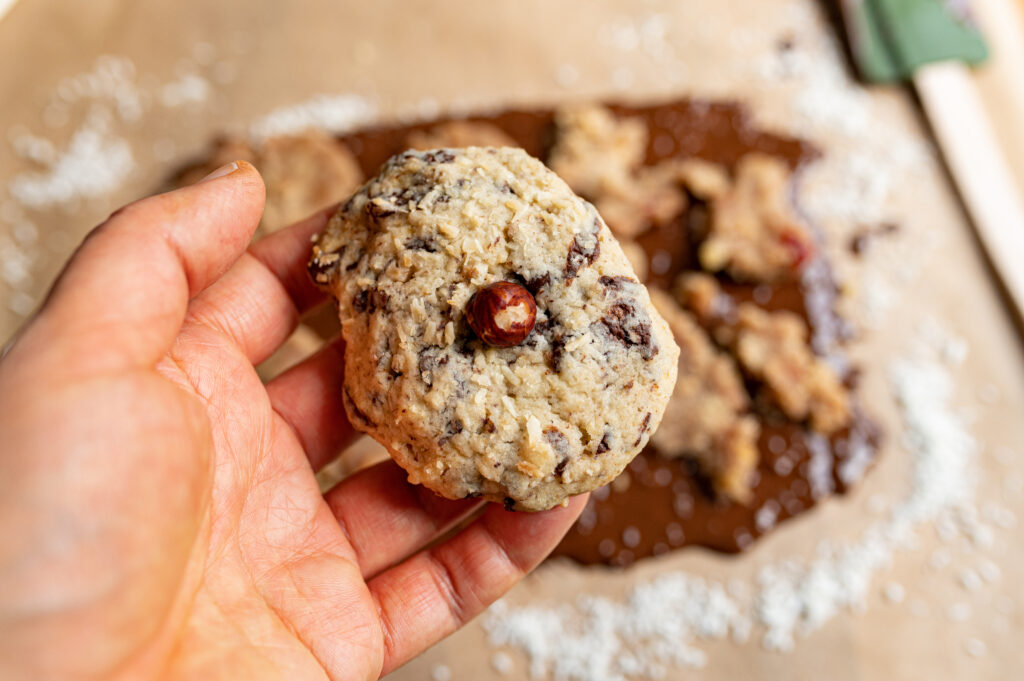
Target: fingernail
(220,172)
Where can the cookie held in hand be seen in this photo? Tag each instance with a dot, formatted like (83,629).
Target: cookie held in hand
(498,342)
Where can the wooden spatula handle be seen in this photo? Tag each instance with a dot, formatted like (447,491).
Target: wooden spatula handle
(982,175)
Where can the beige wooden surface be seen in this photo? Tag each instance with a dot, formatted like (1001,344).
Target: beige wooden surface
(472,54)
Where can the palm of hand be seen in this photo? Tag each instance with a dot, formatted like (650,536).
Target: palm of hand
(183,534)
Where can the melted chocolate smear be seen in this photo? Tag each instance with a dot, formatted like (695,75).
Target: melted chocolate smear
(718,131)
(660,505)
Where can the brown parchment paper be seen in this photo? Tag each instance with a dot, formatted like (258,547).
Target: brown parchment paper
(409,57)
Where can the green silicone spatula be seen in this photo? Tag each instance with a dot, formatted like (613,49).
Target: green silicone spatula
(931,43)
(891,39)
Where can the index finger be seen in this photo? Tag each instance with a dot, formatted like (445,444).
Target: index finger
(258,303)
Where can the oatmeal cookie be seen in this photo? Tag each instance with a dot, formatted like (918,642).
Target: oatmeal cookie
(529,425)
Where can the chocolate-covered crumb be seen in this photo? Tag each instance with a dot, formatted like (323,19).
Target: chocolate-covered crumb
(378,210)
(421,244)
(643,428)
(535,285)
(354,411)
(321,266)
(583,251)
(439,156)
(370,300)
(558,442)
(631,328)
(616,283)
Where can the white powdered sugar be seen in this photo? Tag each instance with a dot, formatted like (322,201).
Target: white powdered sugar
(502,663)
(96,159)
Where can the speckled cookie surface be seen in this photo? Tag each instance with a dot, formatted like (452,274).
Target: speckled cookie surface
(557,415)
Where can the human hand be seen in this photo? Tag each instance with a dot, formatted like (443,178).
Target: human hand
(159,514)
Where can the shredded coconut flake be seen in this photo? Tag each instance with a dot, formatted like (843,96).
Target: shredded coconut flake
(333,113)
(975,647)
(894,592)
(662,622)
(95,162)
(502,663)
(657,626)
(190,88)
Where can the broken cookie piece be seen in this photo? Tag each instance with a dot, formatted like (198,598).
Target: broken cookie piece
(595,152)
(454,134)
(654,196)
(302,173)
(600,157)
(499,343)
(755,234)
(772,348)
(708,417)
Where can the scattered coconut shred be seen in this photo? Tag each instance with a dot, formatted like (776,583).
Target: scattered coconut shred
(662,622)
(335,114)
(95,163)
(95,159)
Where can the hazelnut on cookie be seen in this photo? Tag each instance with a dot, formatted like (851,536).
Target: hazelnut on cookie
(498,342)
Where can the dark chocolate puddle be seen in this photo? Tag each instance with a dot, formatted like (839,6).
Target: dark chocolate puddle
(660,505)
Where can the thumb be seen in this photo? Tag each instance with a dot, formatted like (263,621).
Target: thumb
(122,297)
